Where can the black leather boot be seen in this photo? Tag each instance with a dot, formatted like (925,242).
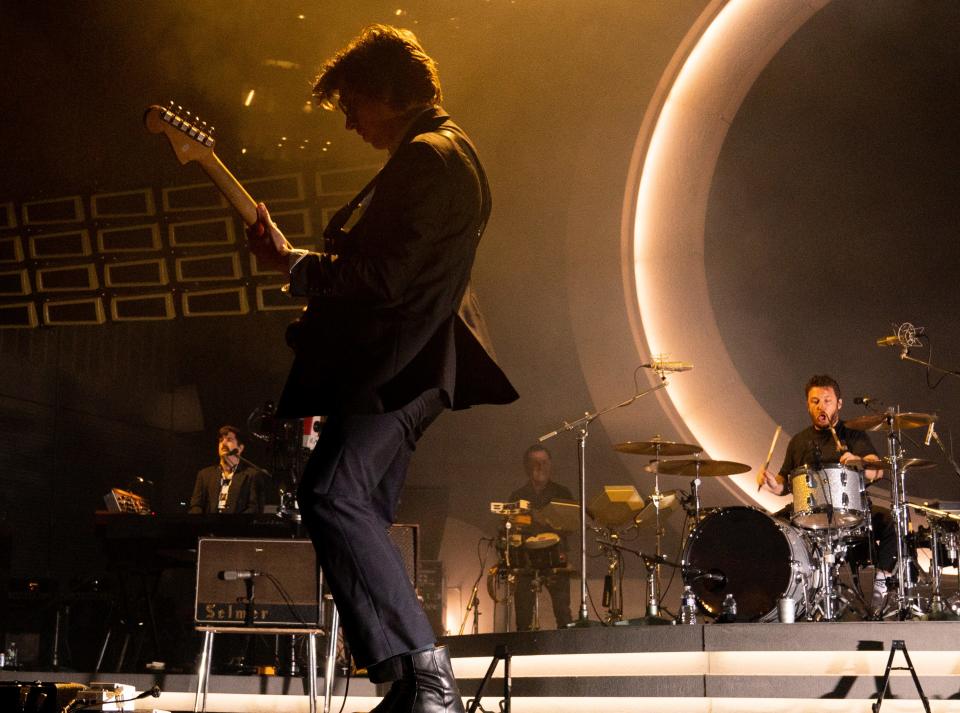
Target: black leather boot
(427,686)
(397,693)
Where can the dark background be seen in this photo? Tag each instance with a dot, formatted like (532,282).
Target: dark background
(833,213)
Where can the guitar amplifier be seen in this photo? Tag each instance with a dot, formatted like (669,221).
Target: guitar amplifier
(407,539)
(284,575)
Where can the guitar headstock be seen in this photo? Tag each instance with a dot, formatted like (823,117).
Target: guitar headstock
(189,139)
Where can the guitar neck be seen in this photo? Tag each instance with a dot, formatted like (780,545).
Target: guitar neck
(230,187)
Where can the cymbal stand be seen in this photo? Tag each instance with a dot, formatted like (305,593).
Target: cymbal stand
(936,598)
(898,507)
(582,425)
(653,577)
(612,592)
(695,491)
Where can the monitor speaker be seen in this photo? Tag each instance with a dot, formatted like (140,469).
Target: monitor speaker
(282,575)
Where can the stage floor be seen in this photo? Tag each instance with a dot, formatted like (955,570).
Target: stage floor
(709,668)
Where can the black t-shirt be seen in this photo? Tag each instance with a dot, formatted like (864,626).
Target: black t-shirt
(804,446)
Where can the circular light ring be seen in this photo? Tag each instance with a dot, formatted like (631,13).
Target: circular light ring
(664,273)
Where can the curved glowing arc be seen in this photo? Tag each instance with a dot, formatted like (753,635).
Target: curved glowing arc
(669,223)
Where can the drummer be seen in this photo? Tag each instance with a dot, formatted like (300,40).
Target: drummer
(540,490)
(815,446)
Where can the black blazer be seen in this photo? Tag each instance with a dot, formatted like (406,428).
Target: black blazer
(384,321)
(245,495)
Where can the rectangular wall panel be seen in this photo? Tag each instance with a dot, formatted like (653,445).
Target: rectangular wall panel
(55,210)
(75,243)
(130,238)
(127,204)
(85,311)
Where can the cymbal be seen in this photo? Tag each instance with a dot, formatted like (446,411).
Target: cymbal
(878,421)
(704,468)
(668,501)
(884,465)
(541,541)
(657,446)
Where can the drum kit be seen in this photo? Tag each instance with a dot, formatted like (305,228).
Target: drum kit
(744,564)
(528,555)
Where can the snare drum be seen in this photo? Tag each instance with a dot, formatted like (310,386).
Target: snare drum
(833,487)
(760,559)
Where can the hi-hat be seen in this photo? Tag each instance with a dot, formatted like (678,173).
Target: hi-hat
(703,468)
(657,446)
(665,502)
(898,421)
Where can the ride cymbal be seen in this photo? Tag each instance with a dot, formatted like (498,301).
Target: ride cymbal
(898,421)
(884,465)
(657,446)
(703,468)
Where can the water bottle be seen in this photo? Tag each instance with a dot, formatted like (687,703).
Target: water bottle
(729,612)
(688,606)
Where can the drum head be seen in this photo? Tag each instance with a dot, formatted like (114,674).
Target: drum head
(748,548)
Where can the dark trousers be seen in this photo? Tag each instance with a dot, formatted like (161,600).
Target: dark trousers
(348,497)
(559,588)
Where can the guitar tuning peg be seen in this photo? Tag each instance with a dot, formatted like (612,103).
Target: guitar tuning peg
(212,129)
(171,102)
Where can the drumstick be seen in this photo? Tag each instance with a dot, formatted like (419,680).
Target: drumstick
(766,464)
(841,447)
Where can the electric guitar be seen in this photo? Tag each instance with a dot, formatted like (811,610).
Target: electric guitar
(190,142)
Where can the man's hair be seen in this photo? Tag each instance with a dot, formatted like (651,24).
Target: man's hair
(384,63)
(822,381)
(535,448)
(224,430)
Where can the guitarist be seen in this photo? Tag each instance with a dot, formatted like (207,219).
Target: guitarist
(385,346)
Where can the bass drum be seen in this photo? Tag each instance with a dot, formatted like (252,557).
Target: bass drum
(759,558)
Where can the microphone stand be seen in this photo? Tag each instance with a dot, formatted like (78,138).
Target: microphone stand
(946,454)
(583,424)
(253,465)
(474,604)
(651,562)
(905,356)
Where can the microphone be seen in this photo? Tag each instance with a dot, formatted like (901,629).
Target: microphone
(145,481)
(234,452)
(906,336)
(930,434)
(863,400)
(673,366)
(230,575)
(714,577)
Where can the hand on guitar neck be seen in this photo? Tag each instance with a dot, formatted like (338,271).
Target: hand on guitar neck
(268,243)
(192,141)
